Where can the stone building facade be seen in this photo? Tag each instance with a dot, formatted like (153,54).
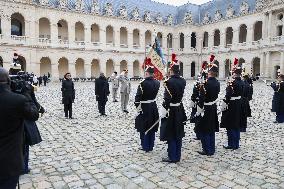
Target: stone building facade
(86,37)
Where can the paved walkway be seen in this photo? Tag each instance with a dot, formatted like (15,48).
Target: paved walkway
(102,152)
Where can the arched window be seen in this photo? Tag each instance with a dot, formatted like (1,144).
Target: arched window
(217,38)
(181,40)
(229,36)
(193,40)
(17,25)
(243,33)
(257,31)
(205,39)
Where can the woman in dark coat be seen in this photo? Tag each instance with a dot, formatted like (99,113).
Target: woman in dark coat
(68,95)
(278,99)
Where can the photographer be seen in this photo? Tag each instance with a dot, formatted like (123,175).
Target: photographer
(15,108)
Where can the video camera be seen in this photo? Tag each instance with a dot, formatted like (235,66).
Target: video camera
(20,83)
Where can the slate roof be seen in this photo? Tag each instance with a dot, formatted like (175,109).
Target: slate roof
(178,12)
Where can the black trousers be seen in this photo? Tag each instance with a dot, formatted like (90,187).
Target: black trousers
(44,83)
(9,183)
(102,107)
(68,110)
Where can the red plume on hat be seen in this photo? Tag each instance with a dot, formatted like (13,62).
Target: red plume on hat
(236,61)
(174,58)
(204,64)
(212,57)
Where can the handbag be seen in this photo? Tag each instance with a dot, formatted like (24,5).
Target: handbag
(32,134)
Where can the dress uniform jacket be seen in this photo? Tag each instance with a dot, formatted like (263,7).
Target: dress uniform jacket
(194,98)
(172,127)
(208,94)
(231,118)
(14,109)
(278,97)
(145,101)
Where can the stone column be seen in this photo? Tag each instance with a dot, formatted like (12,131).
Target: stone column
(211,39)
(267,63)
(282,63)
(269,35)
(176,41)
(103,66)
(72,69)
(222,38)
(250,35)
(165,42)
(88,35)
(102,37)
(187,42)
(142,40)
(71,33)
(54,33)
(235,36)
(6,28)
(117,68)
(222,69)
(33,25)
(264,26)
(54,71)
(199,42)
(88,70)
(130,69)
(116,38)
(262,65)
(130,38)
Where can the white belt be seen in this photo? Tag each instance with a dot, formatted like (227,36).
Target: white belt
(210,103)
(236,98)
(175,104)
(147,101)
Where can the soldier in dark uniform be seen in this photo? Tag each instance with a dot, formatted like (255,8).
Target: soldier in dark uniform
(278,99)
(68,95)
(232,110)
(207,123)
(145,102)
(45,78)
(195,98)
(173,115)
(247,96)
(102,92)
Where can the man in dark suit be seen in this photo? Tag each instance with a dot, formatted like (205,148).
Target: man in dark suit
(68,95)
(44,78)
(14,109)
(102,92)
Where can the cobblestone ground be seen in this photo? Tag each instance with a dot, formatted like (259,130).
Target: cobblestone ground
(102,152)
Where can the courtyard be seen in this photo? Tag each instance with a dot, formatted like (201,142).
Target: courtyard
(96,152)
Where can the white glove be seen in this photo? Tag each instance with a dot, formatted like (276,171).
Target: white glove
(191,104)
(139,109)
(163,112)
(224,106)
(200,111)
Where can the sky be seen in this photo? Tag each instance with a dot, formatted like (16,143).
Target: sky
(182,2)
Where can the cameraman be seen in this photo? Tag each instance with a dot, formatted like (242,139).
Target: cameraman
(14,109)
